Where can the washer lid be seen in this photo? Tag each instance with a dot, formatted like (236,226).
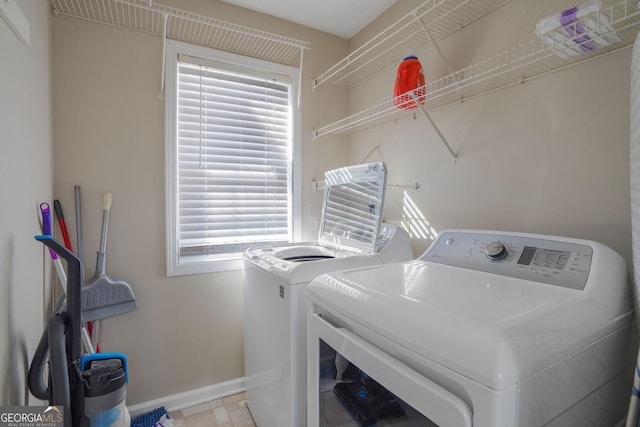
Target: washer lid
(493,329)
(352,207)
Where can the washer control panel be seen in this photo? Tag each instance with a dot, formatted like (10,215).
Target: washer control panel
(541,259)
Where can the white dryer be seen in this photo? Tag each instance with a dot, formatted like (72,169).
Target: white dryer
(485,329)
(275,285)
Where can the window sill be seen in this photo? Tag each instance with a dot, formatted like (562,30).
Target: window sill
(202,265)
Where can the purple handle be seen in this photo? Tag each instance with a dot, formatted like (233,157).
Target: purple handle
(46,225)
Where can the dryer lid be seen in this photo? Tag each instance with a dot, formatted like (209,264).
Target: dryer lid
(352,207)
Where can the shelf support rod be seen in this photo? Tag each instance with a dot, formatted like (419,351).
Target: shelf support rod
(164,53)
(373,150)
(319,185)
(435,44)
(300,77)
(426,114)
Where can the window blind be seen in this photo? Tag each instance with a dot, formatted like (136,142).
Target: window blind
(234,144)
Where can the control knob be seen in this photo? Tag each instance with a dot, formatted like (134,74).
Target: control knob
(496,251)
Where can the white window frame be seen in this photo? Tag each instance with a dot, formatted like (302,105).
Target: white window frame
(175,266)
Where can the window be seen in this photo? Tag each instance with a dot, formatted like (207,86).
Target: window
(229,157)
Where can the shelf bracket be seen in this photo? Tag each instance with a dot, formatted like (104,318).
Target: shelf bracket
(426,114)
(435,45)
(373,150)
(300,77)
(165,17)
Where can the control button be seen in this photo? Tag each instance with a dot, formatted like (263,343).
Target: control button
(496,251)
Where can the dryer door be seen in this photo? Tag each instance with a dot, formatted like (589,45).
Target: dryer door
(352,382)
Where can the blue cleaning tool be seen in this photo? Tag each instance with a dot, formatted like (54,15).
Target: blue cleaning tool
(149,419)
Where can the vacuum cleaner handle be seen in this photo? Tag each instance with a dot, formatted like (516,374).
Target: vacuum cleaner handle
(64,337)
(74,303)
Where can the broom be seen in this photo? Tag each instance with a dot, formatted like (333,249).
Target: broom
(104,296)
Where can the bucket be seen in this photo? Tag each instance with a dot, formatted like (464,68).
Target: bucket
(410,77)
(105,376)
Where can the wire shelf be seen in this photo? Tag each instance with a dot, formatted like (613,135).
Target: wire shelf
(620,23)
(149,17)
(441,17)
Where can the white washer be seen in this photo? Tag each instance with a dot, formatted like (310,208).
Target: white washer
(275,285)
(490,329)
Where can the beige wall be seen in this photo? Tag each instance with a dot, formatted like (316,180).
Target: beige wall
(549,156)
(26,171)
(109,137)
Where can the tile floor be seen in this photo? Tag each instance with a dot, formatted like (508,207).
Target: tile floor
(231,411)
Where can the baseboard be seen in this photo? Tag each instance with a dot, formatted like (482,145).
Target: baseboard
(191,398)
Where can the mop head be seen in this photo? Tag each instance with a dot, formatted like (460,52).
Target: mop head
(157,417)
